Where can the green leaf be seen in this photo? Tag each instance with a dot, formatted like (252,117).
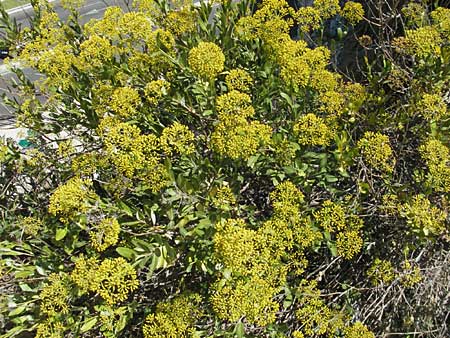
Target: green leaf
(239,330)
(60,234)
(88,324)
(17,311)
(126,252)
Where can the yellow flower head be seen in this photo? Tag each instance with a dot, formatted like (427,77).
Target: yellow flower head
(71,199)
(55,296)
(381,272)
(432,107)
(308,18)
(177,139)
(106,234)
(436,155)
(240,80)
(206,60)
(353,12)
(327,8)
(114,280)
(125,101)
(376,151)
(312,130)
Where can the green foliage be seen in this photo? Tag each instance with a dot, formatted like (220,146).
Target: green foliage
(197,172)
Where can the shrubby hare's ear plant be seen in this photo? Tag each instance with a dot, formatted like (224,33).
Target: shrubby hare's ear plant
(208,170)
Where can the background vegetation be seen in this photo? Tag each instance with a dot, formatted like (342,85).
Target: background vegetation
(229,170)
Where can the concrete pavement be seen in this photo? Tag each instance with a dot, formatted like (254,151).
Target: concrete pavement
(92,9)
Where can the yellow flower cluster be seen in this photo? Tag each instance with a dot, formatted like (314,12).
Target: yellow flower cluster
(415,14)
(50,329)
(348,243)
(441,20)
(3,152)
(94,52)
(432,107)
(410,275)
(315,316)
(436,156)
(376,151)
(113,279)
(154,91)
(423,218)
(381,272)
(333,218)
(173,319)
(125,101)
(234,136)
(308,18)
(206,60)
(72,4)
(84,272)
(223,197)
(286,200)
(311,130)
(268,23)
(235,245)
(181,21)
(253,258)
(252,299)
(353,12)
(71,199)
(358,330)
(239,80)
(106,234)
(332,103)
(177,139)
(55,296)
(327,8)
(128,150)
(422,43)
(30,225)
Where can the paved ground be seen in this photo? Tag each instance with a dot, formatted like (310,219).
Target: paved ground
(92,9)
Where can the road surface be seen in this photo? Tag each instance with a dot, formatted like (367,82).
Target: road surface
(93,9)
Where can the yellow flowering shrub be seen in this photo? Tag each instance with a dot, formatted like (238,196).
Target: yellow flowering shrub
(424,218)
(376,151)
(114,280)
(105,234)
(353,12)
(239,80)
(71,199)
(220,148)
(55,296)
(177,139)
(312,130)
(436,155)
(173,319)
(381,272)
(206,60)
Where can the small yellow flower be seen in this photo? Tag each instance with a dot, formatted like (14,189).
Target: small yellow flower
(376,151)
(353,12)
(206,60)
(240,80)
(106,234)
